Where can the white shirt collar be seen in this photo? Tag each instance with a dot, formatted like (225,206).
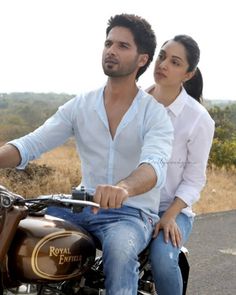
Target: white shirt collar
(178,104)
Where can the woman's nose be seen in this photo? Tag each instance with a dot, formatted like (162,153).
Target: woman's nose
(163,64)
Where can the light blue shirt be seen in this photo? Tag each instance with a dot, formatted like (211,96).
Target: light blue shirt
(144,135)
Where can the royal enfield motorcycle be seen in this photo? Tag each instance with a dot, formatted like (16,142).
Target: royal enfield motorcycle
(44,255)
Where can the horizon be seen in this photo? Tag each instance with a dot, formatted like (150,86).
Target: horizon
(220,101)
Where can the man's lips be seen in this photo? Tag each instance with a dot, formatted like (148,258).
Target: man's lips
(111,61)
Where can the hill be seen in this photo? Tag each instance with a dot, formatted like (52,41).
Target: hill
(23,112)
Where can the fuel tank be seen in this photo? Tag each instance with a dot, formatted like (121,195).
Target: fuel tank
(49,249)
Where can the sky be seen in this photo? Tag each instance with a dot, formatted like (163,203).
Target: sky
(56,45)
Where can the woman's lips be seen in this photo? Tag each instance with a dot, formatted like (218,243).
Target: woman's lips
(160,75)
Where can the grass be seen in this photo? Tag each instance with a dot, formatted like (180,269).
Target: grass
(59,170)
(219,193)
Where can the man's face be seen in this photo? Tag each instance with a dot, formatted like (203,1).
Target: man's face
(120,57)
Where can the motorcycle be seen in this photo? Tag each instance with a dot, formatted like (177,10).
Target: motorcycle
(44,255)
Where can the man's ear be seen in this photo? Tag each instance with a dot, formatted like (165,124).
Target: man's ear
(143,59)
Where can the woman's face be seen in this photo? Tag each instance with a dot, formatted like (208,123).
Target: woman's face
(171,65)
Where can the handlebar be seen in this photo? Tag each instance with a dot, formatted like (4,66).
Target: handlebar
(7,198)
(77,199)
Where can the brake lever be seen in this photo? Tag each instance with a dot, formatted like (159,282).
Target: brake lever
(36,205)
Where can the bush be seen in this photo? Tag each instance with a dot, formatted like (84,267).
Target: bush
(223,154)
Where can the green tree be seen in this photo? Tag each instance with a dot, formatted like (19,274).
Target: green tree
(223,152)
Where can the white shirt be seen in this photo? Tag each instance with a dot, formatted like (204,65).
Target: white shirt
(193,135)
(144,135)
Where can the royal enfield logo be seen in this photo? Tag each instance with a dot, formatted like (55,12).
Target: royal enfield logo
(64,255)
(51,261)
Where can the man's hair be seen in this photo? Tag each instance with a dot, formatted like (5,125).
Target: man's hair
(144,36)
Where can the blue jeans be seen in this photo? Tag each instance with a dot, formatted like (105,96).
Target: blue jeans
(164,259)
(123,234)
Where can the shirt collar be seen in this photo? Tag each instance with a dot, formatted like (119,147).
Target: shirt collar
(128,116)
(178,104)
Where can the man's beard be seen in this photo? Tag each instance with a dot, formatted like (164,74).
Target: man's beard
(121,72)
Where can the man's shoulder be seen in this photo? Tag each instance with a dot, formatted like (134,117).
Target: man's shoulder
(88,96)
(148,99)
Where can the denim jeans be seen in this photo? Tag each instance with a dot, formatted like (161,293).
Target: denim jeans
(164,259)
(123,234)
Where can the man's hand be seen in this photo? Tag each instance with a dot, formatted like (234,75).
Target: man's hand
(109,196)
(170,230)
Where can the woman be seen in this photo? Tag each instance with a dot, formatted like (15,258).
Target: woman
(178,86)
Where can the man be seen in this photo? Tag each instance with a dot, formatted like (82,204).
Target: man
(124,141)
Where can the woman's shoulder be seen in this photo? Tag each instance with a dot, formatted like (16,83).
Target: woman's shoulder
(196,106)
(198,111)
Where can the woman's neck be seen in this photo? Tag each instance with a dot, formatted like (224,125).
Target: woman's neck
(165,95)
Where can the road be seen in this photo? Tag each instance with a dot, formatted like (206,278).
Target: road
(212,254)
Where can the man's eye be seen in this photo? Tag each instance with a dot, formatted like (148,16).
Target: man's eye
(123,45)
(107,44)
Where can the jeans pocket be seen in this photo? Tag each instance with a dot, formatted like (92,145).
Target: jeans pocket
(148,221)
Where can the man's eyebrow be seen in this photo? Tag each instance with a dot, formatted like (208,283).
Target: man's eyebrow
(125,43)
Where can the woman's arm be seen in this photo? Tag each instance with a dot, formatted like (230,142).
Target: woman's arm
(168,225)
(194,175)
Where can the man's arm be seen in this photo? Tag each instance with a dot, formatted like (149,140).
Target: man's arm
(9,156)
(141,180)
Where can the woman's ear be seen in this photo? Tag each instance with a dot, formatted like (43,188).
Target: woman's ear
(189,76)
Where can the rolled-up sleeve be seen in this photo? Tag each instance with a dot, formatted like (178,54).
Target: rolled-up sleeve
(158,139)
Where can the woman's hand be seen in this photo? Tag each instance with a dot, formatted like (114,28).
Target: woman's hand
(170,230)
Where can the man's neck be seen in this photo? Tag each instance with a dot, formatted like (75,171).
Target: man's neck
(121,90)
(118,97)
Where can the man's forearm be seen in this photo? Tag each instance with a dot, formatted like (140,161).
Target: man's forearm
(141,180)
(9,156)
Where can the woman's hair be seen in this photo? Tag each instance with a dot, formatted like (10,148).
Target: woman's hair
(194,86)
(144,36)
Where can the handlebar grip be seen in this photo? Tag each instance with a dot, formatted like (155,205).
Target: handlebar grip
(6,201)
(81,194)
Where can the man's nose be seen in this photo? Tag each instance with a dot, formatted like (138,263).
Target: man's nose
(112,49)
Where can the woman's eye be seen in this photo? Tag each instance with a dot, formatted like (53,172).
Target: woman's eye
(175,62)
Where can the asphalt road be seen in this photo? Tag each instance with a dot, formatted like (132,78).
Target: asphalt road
(212,255)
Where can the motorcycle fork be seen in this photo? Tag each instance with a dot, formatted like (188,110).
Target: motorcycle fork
(10,221)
